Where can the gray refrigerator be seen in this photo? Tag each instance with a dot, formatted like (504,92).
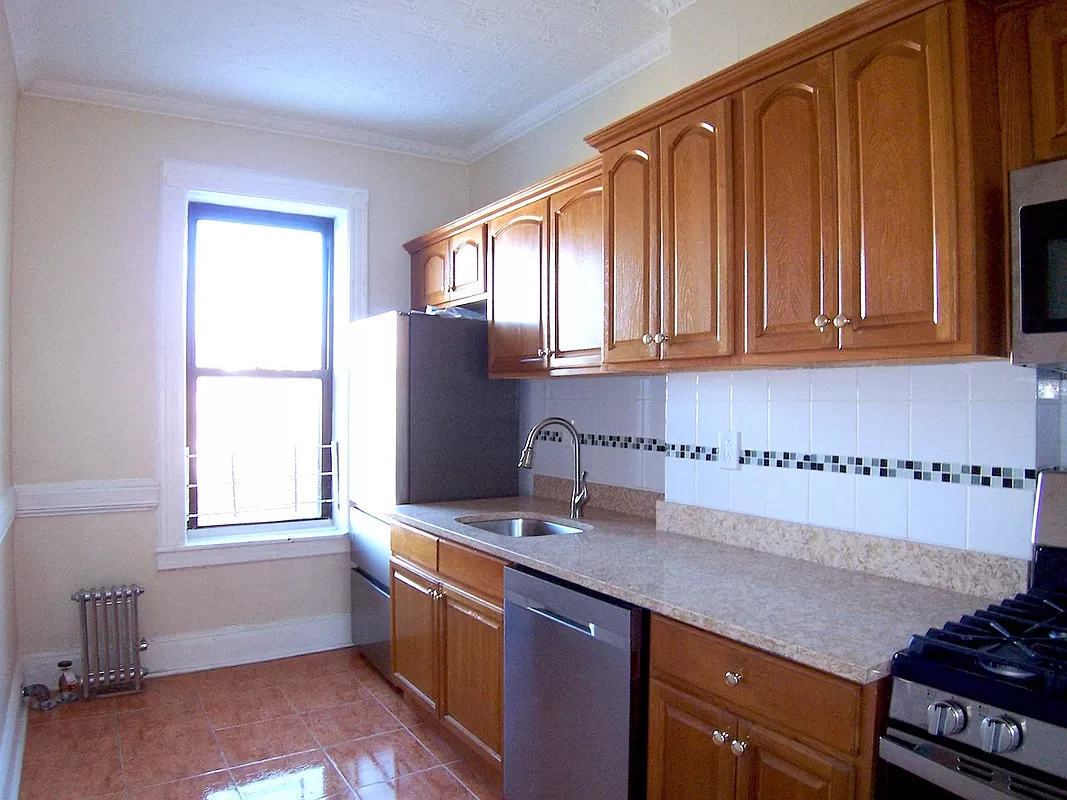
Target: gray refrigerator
(426,425)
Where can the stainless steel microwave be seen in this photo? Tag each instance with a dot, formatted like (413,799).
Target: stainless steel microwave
(1039,265)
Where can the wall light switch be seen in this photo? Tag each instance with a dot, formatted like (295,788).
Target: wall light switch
(729,450)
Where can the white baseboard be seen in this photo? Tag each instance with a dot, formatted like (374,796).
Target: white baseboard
(13,741)
(224,647)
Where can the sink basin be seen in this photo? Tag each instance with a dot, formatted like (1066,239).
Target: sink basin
(520,526)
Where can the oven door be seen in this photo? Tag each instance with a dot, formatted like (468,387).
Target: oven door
(914,766)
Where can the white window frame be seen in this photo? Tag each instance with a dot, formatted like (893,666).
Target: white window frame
(182,181)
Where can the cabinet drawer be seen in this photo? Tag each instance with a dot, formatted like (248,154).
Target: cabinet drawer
(414,546)
(472,570)
(812,703)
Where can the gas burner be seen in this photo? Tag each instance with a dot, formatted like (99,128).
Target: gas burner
(1005,669)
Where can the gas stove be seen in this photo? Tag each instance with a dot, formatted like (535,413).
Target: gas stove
(979,707)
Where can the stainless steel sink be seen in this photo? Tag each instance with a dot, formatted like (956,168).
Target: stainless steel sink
(520,526)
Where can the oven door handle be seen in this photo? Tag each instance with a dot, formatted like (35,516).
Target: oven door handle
(942,777)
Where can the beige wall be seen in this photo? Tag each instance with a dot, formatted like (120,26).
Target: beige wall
(705,38)
(87,202)
(8,93)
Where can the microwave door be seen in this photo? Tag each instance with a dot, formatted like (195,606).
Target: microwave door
(1043,267)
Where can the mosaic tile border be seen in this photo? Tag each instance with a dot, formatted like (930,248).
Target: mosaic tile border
(898,468)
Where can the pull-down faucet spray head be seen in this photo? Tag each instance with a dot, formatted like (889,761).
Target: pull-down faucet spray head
(580,495)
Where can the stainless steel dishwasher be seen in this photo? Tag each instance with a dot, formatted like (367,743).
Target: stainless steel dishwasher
(575,692)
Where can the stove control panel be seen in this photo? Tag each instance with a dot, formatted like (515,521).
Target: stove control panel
(945,718)
(1000,735)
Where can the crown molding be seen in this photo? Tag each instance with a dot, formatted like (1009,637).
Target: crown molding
(600,81)
(243,118)
(667,8)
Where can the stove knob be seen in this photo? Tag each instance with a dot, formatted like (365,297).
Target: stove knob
(944,718)
(1000,735)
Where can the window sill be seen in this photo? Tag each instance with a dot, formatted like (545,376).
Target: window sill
(287,544)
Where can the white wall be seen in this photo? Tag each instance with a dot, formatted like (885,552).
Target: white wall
(87,202)
(705,38)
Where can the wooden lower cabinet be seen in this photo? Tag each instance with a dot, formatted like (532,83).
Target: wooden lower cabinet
(753,735)
(448,637)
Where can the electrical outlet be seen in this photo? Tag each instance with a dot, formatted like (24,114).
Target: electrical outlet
(729,450)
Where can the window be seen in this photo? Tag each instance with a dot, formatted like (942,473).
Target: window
(259,351)
(252,402)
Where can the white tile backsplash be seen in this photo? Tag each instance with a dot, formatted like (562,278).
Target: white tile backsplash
(983,413)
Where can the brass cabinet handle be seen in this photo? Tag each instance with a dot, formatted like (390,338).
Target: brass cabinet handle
(647,338)
(841,321)
(821,322)
(720,737)
(733,678)
(738,747)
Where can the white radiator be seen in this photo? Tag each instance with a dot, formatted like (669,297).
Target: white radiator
(111,641)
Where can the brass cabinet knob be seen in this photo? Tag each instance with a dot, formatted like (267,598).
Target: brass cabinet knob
(841,321)
(541,352)
(738,747)
(647,338)
(720,738)
(659,338)
(821,322)
(733,678)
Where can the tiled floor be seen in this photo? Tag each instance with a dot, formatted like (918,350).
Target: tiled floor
(306,728)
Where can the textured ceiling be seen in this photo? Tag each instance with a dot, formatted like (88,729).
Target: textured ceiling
(444,77)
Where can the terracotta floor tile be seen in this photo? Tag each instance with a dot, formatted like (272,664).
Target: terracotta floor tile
(381,758)
(376,684)
(76,709)
(482,787)
(434,784)
(337,724)
(318,665)
(228,680)
(250,705)
(64,738)
(258,741)
(322,692)
(395,705)
(435,743)
(308,776)
(168,759)
(214,786)
(160,692)
(157,726)
(81,776)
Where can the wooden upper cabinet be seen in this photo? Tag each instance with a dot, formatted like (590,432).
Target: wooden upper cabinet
(790,181)
(774,766)
(430,275)
(576,275)
(684,760)
(631,249)
(898,182)
(696,175)
(1048,79)
(518,245)
(467,264)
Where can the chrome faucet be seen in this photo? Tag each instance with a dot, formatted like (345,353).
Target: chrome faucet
(580,495)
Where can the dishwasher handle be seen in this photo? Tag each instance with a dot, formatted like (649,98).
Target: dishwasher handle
(586,628)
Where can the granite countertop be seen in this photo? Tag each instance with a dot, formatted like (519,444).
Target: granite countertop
(842,622)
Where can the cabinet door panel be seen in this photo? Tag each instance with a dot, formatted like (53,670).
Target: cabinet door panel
(631,237)
(472,695)
(790,209)
(518,245)
(1048,75)
(684,763)
(577,275)
(430,275)
(898,182)
(697,205)
(774,767)
(467,255)
(415,634)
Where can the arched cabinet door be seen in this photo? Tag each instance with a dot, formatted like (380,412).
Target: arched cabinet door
(517,248)
(697,206)
(791,210)
(898,185)
(631,249)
